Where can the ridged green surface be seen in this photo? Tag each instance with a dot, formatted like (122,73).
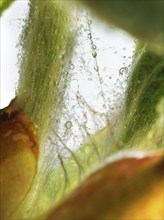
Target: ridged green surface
(145,91)
(46,44)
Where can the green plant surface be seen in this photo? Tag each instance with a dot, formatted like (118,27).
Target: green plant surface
(144,93)
(4,4)
(46,47)
(46,43)
(143,19)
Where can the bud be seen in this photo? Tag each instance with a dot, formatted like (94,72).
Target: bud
(18,158)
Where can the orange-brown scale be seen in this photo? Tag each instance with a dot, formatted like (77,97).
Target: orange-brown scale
(16,131)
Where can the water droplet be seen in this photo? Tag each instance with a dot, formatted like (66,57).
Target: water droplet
(72,67)
(123,70)
(94,54)
(89,36)
(94,47)
(89,22)
(68,124)
(61,56)
(96,68)
(124,48)
(82,60)
(101,80)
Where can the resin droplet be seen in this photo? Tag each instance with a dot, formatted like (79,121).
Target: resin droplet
(68,124)
(89,22)
(96,68)
(89,36)
(94,54)
(72,67)
(94,47)
(123,70)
